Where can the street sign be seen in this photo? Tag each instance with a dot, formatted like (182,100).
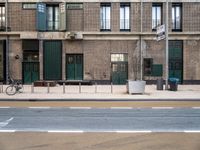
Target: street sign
(160,33)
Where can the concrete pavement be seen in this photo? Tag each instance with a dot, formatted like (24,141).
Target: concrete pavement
(102,93)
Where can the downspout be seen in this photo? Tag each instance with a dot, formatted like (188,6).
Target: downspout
(7,44)
(141,52)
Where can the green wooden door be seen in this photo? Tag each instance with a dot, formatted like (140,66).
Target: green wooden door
(74,67)
(52,60)
(119,72)
(30,72)
(176,60)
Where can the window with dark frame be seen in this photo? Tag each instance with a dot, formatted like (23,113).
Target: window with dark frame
(2,17)
(29,6)
(125,17)
(177,17)
(156,15)
(52,17)
(105,16)
(147,66)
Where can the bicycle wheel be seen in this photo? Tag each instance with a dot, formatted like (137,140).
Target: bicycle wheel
(11,90)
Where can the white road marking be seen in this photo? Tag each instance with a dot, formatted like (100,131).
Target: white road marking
(5,123)
(4,107)
(80,107)
(192,131)
(39,107)
(65,131)
(162,107)
(121,107)
(134,131)
(196,107)
(6,131)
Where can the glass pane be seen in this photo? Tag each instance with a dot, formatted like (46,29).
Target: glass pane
(153,17)
(158,15)
(173,18)
(119,57)
(56,18)
(178,17)
(127,13)
(50,18)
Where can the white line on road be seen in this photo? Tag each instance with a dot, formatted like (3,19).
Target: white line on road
(121,107)
(80,107)
(5,123)
(4,107)
(65,131)
(6,131)
(136,131)
(162,107)
(192,131)
(39,107)
(196,107)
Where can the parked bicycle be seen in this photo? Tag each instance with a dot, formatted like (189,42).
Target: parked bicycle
(14,87)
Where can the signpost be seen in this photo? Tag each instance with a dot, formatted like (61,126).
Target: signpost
(160,34)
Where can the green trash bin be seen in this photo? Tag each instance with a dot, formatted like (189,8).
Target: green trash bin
(173,83)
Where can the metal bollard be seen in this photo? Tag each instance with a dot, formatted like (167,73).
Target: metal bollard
(1,87)
(48,89)
(111,87)
(63,88)
(79,87)
(95,87)
(32,88)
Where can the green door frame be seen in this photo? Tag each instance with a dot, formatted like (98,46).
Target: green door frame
(176,61)
(74,68)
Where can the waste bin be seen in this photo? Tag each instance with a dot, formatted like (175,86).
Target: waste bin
(173,83)
(159,84)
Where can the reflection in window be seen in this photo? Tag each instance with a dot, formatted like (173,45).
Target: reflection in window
(124,17)
(156,16)
(52,17)
(119,57)
(176,17)
(105,17)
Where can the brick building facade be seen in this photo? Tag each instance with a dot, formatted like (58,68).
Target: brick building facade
(98,40)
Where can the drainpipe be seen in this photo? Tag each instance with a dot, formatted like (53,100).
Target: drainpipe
(141,53)
(167,49)
(7,44)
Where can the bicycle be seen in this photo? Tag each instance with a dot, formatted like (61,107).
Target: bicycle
(14,87)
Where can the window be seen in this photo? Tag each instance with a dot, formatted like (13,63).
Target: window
(119,57)
(2,17)
(29,6)
(52,17)
(105,17)
(148,62)
(176,17)
(156,16)
(75,6)
(125,17)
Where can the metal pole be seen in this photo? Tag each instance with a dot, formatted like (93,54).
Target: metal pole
(32,88)
(79,87)
(63,88)
(7,44)
(48,89)
(167,50)
(141,54)
(95,87)
(111,87)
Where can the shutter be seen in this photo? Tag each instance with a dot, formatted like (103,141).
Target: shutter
(62,10)
(41,16)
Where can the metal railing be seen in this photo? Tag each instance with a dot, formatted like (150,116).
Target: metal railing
(124,24)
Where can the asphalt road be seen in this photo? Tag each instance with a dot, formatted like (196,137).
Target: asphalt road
(78,119)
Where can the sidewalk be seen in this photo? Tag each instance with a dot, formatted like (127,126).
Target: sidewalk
(102,93)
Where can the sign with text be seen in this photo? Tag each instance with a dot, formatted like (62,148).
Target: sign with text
(160,33)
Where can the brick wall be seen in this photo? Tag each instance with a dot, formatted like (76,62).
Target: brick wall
(91,16)
(191,60)
(115,17)
(191,17)
(135,17)
(21,20)
(75,20)
(147,22)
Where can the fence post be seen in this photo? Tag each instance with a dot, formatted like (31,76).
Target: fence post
(32,88)
(48,89)
(95,87)
(63,88)
(79,87)
(111,88)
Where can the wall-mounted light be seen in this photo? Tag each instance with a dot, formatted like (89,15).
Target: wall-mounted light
(17,57)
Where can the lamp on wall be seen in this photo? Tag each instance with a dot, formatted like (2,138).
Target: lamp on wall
(17,57)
